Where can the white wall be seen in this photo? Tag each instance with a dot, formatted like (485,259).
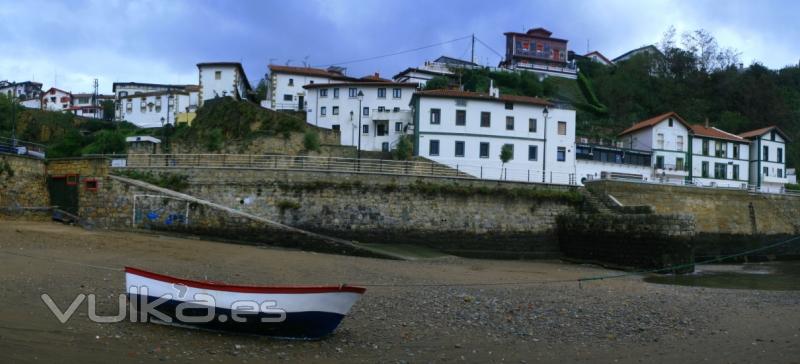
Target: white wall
(280,86)
(770,182)
(742,162)
(151,116)
(348,114)
(230,82)
(593,170)
(56,101)
(472,134)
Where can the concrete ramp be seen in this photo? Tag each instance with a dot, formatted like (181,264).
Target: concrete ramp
(230,223)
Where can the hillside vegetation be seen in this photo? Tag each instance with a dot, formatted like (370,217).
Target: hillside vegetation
(699,80)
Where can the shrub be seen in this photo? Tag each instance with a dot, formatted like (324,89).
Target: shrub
(311,141)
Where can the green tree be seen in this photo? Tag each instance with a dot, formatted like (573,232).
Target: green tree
(437,83)
(405,148)
(506,154)
(261,90)
(108,110)
(106,142)
(311,141)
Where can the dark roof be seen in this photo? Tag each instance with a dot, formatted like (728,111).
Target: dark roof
(419,70)
(532,33)
(715,133)
(483,96)
(114,86)
(455,61)
(236,65)
(653,121)
(637,50)
(759,132)
(308,71)
(362,83)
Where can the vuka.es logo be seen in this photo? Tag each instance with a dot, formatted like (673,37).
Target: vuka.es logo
(143,308)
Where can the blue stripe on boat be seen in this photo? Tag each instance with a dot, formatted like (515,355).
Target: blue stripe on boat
(299,325)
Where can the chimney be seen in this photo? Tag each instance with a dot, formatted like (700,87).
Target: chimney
(706,122)
(493,91)
(377,74)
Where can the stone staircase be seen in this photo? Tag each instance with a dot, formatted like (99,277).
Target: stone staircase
(594,203)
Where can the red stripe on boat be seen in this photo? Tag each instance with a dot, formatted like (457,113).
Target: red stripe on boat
(245,289)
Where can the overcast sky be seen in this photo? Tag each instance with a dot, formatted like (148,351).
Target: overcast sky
(69,43)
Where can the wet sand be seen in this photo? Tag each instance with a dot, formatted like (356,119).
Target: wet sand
(617,320)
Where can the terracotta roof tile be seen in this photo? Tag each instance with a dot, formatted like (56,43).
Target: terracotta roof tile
(484,96)
(712,132)
(653,121)
(762,131)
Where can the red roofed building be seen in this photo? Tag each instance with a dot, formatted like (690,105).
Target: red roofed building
(56,100)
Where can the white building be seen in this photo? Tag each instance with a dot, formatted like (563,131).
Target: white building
(222,79)
(285,87)
(27,93)
(88,105)
(767,158)
(440,67)
(719,158)
(598,161)
(667,136)
(145,104)
(598,57)
(467,131)
(381,107)
(56,100)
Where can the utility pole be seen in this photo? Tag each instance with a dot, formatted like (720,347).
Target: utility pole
(473,48)
(14,115)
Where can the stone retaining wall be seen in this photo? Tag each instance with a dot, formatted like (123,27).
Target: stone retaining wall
(22,183)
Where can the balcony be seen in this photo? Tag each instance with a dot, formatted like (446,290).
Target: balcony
(391,114)
(671,169)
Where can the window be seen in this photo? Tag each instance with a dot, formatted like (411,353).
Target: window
(509,106)
(660,141)
(679,142)
(561,154)
(659,162)
(459,148)
(323,110)
(705,146)
(780,173)
(396,93)
(365,129)
(381,108)
(129,107)
(433,148)
(53,99)
(736,171)
(766,172)
(436,116)
(323,92)
(670,122)
(766,153)
(533,152)
(217,75)
(291,82)
(509,123)
(335,127)
(398,126)
(461,117)
(336,93)
(531,125)
(352,92)
(720,149)
(461,102)
(720,171)
(736,152)
(381,93)
(562,128)
(335,110)
(484,150)
(486,119)
(288,97)
(382,129)
(704,170)
(780,156)
(678,164)
(772,136)
(511,148)
(365,111)
(91,184)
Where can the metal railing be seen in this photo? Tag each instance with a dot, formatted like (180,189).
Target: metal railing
(420,168)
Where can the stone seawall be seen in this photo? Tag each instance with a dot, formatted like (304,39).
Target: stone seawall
(727,221)
(471,218)
(640,241)
(22,183)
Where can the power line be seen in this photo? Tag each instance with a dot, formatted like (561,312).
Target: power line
(395,53)
(490,48)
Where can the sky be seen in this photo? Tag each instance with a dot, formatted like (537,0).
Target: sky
(68,44)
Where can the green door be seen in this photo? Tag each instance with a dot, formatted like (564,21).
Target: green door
(64,193)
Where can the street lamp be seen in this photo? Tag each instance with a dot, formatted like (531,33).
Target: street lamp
(544,145)
(360,98)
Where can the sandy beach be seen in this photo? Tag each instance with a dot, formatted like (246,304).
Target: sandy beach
(434,310)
